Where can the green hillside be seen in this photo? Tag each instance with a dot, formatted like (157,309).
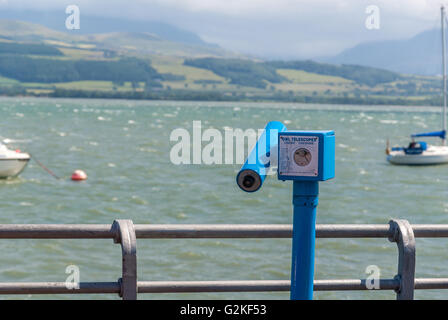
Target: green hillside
(137,43)
(35,60)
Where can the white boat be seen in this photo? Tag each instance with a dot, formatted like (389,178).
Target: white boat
(12,162)
(419,152)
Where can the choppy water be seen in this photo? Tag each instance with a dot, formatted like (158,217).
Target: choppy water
(124,147)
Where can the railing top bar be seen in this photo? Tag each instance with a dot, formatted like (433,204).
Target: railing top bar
(56,231)
(430,230)
(213,286)
(258,285)
(58,288)
(377,230)
(353,231)
(431,283)
(210,286)
(166,231)
(192,286)
(214,231)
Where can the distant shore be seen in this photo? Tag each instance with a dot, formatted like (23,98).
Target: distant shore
(194,95)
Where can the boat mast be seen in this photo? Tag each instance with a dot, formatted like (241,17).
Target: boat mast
(442,9)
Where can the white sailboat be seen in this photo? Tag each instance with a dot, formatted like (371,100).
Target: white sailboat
(419,152)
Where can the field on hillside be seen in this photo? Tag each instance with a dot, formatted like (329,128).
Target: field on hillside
(35,60)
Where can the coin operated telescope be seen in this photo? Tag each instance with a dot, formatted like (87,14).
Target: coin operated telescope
(261,159)
(305,157)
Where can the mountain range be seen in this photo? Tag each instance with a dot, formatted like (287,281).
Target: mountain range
(95,25)
(419,55)
(169,41)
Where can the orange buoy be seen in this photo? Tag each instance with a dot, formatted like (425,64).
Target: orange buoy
(79,175)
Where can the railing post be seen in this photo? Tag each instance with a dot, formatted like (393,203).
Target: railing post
(124,233)
(403,235)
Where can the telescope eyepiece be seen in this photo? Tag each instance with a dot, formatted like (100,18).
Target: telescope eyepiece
(249,181)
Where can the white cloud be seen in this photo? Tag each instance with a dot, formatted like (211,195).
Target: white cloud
(415,8)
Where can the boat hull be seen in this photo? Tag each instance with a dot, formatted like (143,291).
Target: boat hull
(433,156)
(12,167)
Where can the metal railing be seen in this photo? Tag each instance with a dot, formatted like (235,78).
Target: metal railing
(126,233)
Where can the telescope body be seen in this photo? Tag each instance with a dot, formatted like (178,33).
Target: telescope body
(264,155)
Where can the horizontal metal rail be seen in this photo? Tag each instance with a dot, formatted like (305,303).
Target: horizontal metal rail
(125,233)
(193,231)
(209,286)
(255,286)
(58,288)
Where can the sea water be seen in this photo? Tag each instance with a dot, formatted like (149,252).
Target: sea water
(124,147)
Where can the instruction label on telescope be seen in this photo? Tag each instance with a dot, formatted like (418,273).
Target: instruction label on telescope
(299,155)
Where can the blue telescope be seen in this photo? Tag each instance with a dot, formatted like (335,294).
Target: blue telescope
(305,157)
(264,154)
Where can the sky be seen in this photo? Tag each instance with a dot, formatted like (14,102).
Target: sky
(267,28)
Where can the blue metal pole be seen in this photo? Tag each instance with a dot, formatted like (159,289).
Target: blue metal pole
(305,200)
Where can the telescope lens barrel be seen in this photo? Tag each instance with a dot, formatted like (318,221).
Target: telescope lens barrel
(249,180)
(254,171)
